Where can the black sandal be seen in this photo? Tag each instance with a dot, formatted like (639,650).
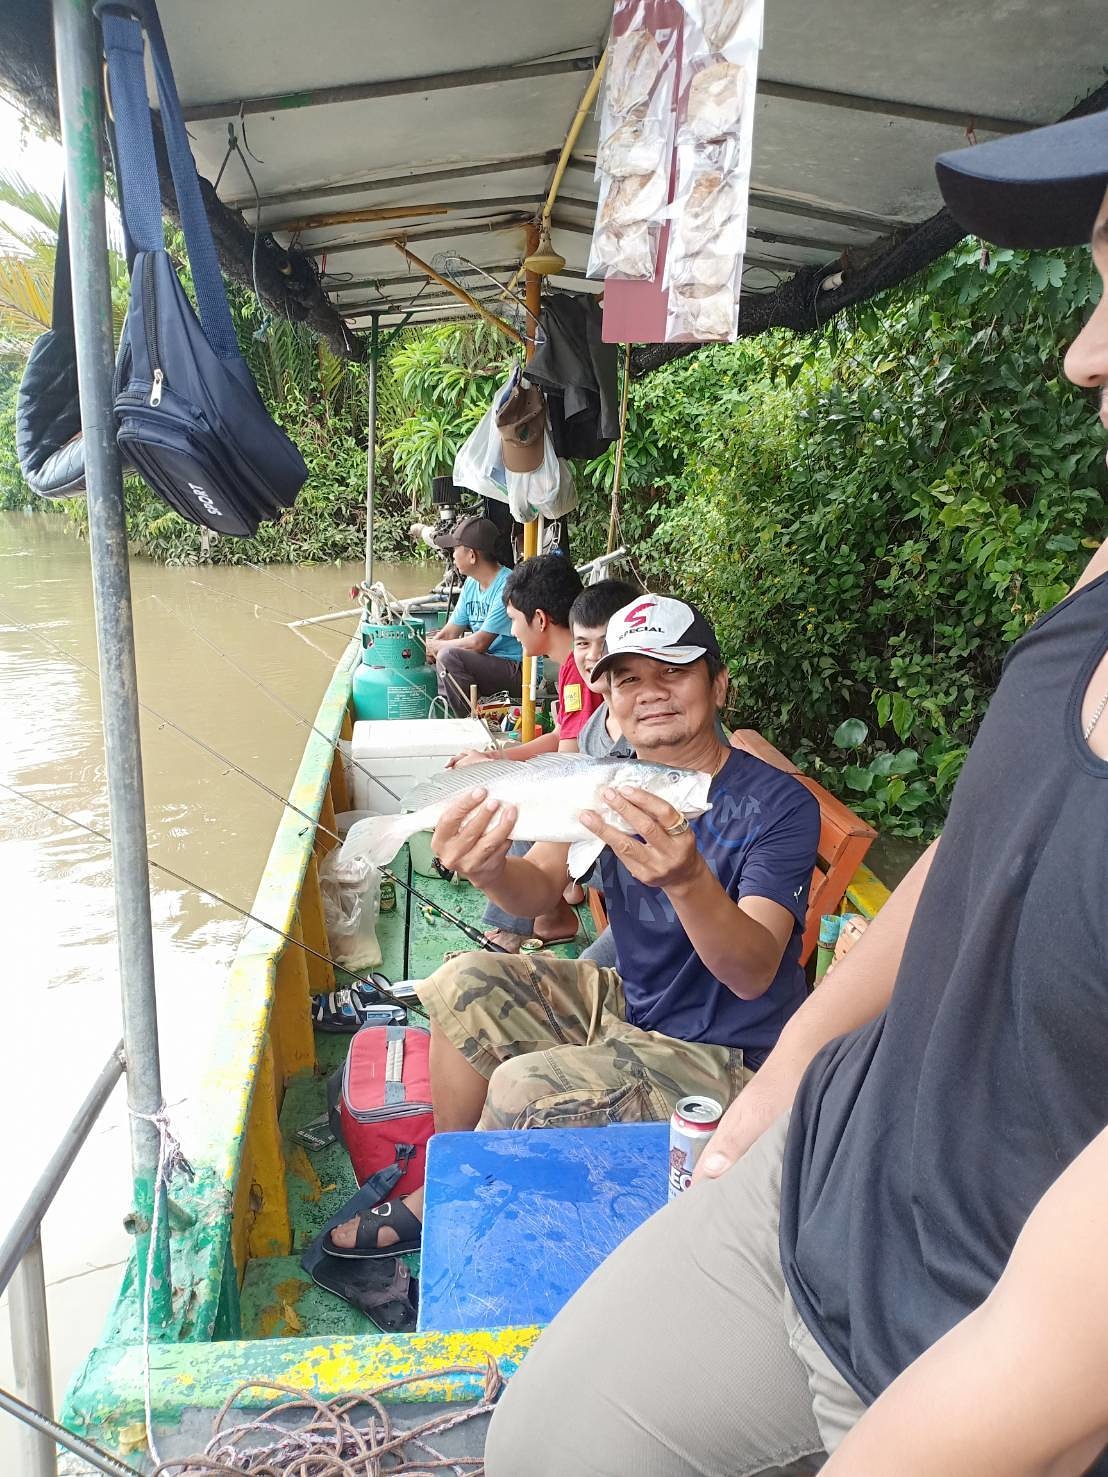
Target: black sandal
(388,1295)
(392,1213)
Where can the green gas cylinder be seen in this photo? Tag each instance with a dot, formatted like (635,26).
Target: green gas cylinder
(393,679)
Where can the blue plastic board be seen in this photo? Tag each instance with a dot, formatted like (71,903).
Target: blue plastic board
(516,1221)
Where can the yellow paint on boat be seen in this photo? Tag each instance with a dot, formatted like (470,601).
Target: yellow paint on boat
(867,894)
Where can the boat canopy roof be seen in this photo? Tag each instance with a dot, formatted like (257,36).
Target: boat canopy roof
(462,109)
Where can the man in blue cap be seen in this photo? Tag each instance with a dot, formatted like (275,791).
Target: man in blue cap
(894,1250)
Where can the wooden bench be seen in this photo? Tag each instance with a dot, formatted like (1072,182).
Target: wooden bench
(844,840)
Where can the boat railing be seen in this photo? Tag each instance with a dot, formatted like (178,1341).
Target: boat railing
(22,1267)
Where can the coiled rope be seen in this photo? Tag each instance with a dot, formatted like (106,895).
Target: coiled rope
(349,1436)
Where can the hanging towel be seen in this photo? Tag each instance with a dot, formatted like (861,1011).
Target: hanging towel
(578,372)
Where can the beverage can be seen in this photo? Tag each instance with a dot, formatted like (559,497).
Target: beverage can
(694,1121)
(388,895)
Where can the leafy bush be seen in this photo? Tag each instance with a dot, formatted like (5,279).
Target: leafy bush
(872,515)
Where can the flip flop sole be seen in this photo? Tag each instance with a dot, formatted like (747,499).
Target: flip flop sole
(371,1254)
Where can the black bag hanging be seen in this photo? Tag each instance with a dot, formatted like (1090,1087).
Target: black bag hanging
(47,413)
(189,416)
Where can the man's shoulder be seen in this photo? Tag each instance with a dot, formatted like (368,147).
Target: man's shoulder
(773,790)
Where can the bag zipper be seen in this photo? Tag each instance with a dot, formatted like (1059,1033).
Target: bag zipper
(150,326)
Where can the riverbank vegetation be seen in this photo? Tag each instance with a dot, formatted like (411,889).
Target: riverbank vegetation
(870,514)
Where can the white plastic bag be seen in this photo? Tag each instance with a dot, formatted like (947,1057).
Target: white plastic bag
(547,492)
(351,891)
(479,464)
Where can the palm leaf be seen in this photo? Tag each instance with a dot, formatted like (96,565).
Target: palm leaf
(26,288)
(16,193)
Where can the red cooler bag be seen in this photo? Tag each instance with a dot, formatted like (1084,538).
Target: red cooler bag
(385,1102)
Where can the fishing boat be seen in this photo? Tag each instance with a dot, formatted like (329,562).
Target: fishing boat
(250,1313)
(369,135)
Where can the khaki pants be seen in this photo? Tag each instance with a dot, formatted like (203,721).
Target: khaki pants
(683,1355)
(552,1037)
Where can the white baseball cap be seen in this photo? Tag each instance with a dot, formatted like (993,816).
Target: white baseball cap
(660,627)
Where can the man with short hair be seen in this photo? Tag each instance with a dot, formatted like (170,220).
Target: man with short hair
(707,918)
(919,1172)
(579,703)
(476,647)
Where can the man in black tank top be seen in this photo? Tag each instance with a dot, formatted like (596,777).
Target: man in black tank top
(934,1211)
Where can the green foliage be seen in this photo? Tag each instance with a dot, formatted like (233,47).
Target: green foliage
(444,379)
(872,515)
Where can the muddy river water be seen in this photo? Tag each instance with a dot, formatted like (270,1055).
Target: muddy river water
(60,994)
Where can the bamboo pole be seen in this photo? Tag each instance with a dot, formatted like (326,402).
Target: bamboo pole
(572,135)
(613,519)
(460,292)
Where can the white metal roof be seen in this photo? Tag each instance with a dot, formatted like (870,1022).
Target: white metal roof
(350,104)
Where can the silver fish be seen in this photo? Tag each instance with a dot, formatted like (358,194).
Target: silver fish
(549,793)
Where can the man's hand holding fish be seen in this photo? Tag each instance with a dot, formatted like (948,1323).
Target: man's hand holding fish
(660,851)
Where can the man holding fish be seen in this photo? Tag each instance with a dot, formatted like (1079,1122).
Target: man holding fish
(706,854)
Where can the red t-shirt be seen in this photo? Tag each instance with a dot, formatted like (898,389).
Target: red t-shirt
(576,700)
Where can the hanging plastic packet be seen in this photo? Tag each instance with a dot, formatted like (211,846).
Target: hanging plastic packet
(634,153)
(714,130)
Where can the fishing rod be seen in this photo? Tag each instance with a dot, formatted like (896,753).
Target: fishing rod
(473,934)
(373,986)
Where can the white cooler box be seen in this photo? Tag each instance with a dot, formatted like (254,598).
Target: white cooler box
(404,752)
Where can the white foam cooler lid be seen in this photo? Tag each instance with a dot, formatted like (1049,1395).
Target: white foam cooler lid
(402,738)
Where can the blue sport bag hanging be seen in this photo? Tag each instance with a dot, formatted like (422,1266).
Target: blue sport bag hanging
(190,418)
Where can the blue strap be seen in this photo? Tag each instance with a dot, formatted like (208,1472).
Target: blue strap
(123,43)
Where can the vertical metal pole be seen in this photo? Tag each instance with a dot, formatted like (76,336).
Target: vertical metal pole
(371,462)
(533,296)
(31,1357)
(78,61)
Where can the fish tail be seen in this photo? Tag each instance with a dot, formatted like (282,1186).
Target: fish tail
(379,837)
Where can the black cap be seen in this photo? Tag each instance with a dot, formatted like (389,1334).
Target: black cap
(479,534)
(1032,190)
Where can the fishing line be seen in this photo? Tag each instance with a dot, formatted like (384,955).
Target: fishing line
(283,705)
(371,985)
(256,605)
(465,928)
(288,584)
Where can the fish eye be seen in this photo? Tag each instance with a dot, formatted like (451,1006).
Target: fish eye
(673,776)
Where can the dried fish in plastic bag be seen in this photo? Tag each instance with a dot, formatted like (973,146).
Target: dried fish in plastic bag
(709,215)
(701,313)
(637,146)
(718,19)
(715,102)
(634,64)
(638,197)
(704,269)
(624,251)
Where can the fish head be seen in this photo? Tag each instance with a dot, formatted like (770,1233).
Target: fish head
(685,789)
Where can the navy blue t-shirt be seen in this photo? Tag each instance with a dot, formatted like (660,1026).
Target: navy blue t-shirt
(760,839)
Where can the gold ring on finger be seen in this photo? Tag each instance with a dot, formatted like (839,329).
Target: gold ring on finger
(679,829)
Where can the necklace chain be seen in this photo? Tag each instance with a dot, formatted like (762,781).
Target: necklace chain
(1098,713)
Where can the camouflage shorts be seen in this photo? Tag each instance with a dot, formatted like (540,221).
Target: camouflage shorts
(551,1036)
